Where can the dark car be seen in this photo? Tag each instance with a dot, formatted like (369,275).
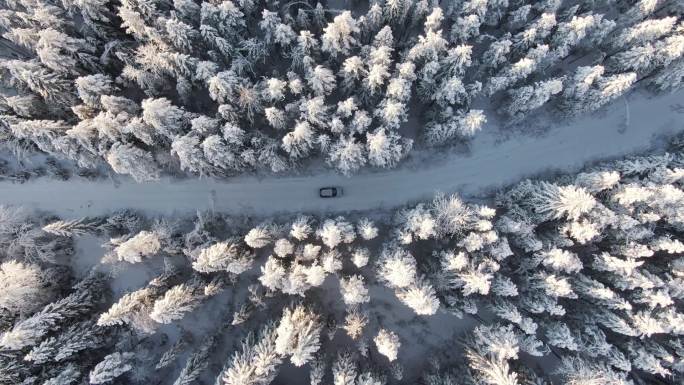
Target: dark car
(329,192)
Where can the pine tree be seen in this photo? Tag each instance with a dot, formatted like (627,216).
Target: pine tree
(570,33)
(338,36)
(125,310)
(91,88)
(283,248)
(224,256)
(334,232)
(256,363)
(492,371)
(68,228)
(299,142)
(72,341)
(175,303)
(164,117)
(22,287)
(301,228)
(111,367)
(142,245)
(272,274)
(353,290)
(29,331)
(354,323)
(67,376)
(171,354)
(554,201)
(525,99)
(561,260)
(418,223)
(421,297)
(396,267)
(196,363)
(190,154)
(258,237)
(50,85)
(670,78)
(321,80)
(298,335)
(318,368)
(223,156)
(640,10)
(461,124)
(577,370)
(344,370)
(559,335)
(387,343)
(645,31)
(136,162)
(360,257)
(386,149)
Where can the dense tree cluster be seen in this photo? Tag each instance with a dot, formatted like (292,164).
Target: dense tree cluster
(49,329)
(581,275)
(225,87)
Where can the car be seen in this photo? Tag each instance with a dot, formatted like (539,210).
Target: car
(329,192)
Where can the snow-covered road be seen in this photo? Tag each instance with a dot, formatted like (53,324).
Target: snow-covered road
(488,165)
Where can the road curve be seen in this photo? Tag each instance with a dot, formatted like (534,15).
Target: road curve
(489,164)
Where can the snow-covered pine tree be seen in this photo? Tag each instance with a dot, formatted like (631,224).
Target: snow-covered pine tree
(396,267)
(298,335)
(354,292)
(176,302)
(525,99)
(230,256)
(30,331)
(111,367)
(23,287)
(259,236)
(196,363)
(387,343)
(79,337)
(142,245)
(68,228)
(256,362)
(334,232)
(68,375)
(134,161)
(421,297)
(344,370)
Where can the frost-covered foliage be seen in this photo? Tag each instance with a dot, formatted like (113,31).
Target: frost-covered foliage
(354,292)
(22,238)
(29,331)
(142,245)
(584,270)
(256,363)
(21,287)
(225,88)
(59,343)
(113,366)
(597,270)
(298,335)
(177,301)
(223,256)
(387,343)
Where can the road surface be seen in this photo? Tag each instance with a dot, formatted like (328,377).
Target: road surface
(489,164)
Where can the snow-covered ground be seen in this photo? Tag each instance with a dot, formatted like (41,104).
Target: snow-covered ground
(489,164)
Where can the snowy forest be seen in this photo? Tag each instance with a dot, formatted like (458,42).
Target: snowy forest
(572,280)
(197,140)
(148,88)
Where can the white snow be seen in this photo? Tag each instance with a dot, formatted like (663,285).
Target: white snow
(489,164)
